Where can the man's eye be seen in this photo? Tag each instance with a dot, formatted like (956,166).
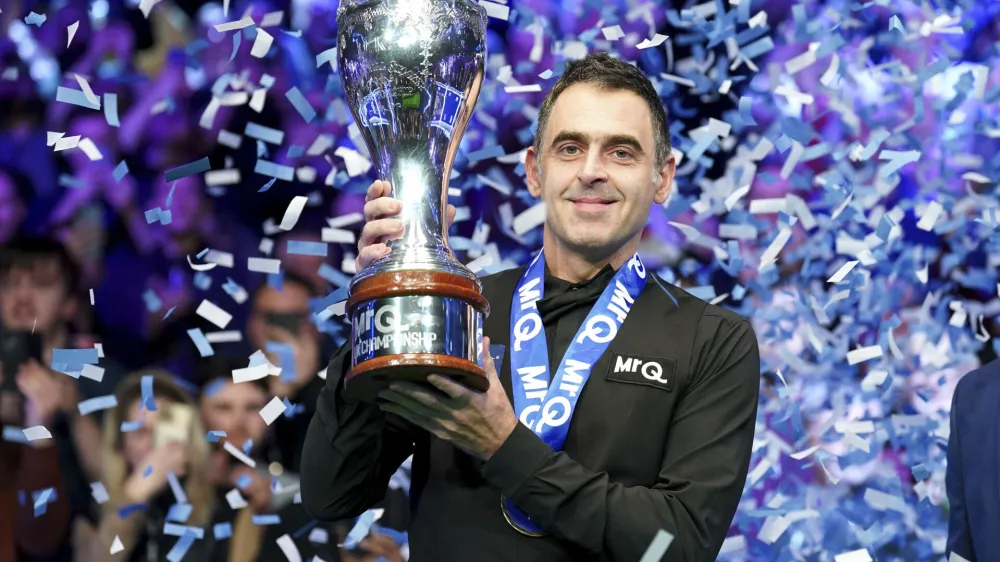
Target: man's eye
(568,148)
(623,154)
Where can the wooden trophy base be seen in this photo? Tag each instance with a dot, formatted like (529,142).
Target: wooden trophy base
(467,309)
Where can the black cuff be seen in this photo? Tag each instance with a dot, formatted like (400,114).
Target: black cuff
(516,461)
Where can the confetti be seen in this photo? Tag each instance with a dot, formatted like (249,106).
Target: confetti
(37,433)
(35,19)
(287,546)
(238,454)
(658,547)
(198,337)
(272,410)
(71,32)
(301,105)
(261,44)
(211,312)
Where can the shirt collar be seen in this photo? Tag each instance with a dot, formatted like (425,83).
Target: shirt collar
(555,285)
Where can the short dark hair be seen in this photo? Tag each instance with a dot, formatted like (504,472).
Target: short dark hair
(287,277)
(606,72)
(29,251)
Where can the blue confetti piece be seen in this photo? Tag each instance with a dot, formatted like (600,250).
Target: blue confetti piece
(111,109)
(130,426)
(757,48)
(268,519)
(198,337)
(35,19)
(169,312)
(894,23)
(267,185)
(248,446)
(333,275)
(74,97)
(237,38)
(170,196)
(124,512)
(202,281)
(181,547)
(86,356)
(243,481)
(148,400)
(179,512)
(41,500)
(488,152)
(96,404)
(295,151)
(301,104)
(307,248)
(360,530)
(214,436)
(277,171)
(120,170)
(14,434)
(188,169)
(222,531)
(147,471)
(286,358)
(262,133)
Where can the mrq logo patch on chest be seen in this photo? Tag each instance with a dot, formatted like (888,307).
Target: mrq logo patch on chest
(658,372)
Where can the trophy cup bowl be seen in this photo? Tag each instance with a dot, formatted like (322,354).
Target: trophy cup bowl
(411,72)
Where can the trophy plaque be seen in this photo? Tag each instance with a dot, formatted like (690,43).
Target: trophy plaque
(411,72)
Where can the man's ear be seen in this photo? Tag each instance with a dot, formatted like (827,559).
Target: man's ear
(666,181)
(531,169)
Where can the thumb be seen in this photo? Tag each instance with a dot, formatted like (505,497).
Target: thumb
(488,365)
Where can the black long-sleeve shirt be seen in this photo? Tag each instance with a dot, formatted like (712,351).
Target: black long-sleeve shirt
(640,455)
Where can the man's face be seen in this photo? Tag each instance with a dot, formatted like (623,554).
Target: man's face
(35,297)
(293,299)
(598,172)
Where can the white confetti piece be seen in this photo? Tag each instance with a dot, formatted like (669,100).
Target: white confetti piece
(656,41)
(657,547)
(272,19)
(770,255)
(530,218)
(99,492)
(882,501)
(37,433)
(90,149)
(146,6)
(238,454)
(248,374)
(116,545)
(853,556)
(272,410)
(91,297)
(214,314)
(264,265)
(229,336)
(66,143)
(863,354)
(218,257)
(357,164)
(235,499)
(261,44)
(287,546)
(87,91)
(230,26)
(293,212)
(222,177)
(337,236)
(930,216)
(873,380)
(494,10)
(201,266)
(71,32)
(842,272)
(954,557)
(523,89)
(613,33)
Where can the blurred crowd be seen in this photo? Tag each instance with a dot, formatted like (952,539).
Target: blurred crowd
(84,266)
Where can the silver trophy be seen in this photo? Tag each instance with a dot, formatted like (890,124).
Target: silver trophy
(412,71)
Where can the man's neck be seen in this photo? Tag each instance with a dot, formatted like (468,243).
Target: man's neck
(569,265)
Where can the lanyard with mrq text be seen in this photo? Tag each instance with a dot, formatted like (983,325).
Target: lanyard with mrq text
(546,407)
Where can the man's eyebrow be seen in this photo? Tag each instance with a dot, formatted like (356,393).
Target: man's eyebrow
(605,140)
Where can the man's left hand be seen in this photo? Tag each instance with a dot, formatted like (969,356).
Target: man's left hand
(46,391)
(476,422)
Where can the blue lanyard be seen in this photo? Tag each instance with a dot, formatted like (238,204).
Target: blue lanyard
(547,408)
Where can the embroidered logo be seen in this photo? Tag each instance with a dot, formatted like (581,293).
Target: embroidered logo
(636,369)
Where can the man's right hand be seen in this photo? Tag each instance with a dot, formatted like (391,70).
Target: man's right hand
(380,227)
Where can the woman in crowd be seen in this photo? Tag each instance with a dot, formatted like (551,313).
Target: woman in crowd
(141,453)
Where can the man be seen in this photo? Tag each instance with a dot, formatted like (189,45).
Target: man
(39,294)
(661,433)
(282,316)
(973,476)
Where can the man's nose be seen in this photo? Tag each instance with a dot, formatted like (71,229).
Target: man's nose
(593,170)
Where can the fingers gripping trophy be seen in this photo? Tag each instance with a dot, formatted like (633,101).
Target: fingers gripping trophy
(412,71)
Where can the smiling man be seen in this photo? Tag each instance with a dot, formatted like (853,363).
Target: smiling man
(621,405)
